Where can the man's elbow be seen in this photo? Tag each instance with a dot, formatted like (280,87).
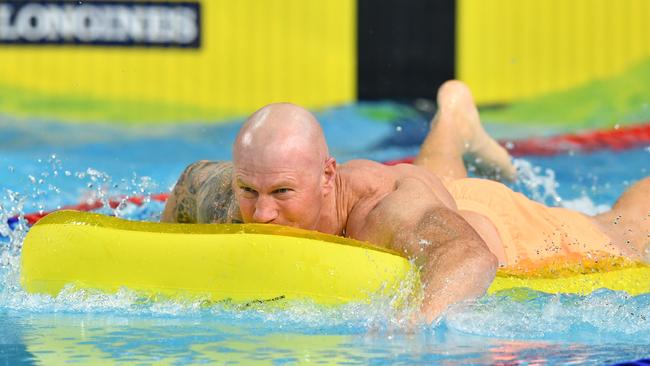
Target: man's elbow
(474,260)
(482,262)
(489,261)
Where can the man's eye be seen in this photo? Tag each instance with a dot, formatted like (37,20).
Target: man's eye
(247,189)
(282,190)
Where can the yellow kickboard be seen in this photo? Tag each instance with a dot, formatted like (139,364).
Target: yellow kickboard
(244,262)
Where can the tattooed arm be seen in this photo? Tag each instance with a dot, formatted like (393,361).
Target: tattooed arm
(203,194)
(181,204)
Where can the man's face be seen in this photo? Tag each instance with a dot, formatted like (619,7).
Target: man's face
(285,193)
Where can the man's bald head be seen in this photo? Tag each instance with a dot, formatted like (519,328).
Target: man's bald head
(283,173)
(282,129)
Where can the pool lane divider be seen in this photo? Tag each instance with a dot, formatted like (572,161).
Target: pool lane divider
(89,205)
(617,139)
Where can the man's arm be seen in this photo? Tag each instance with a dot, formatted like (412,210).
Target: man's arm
(181,203)
(203,194)
(455,263)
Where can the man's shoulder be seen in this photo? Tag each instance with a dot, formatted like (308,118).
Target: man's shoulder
(362,164)
(372,171)
(407,186)
(366,177)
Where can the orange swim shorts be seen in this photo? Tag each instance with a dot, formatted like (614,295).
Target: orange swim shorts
(533,235)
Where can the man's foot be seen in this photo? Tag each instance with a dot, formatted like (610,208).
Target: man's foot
(457,112)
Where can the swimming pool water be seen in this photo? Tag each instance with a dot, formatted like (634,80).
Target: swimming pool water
(46,164)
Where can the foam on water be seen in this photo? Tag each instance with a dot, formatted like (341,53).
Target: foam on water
(544,316)
(541,185)
(380,314)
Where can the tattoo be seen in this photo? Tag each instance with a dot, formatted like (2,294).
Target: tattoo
(203,194)
(216,198)
(186,210)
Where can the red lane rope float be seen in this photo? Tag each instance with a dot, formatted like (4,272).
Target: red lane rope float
(615,139)
(91,205)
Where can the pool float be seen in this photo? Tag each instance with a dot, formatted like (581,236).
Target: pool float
(248,262)
(238,262)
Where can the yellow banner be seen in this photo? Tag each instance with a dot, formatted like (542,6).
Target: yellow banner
(251,53)
(514,49)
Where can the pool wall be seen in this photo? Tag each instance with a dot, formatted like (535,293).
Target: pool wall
(132,61)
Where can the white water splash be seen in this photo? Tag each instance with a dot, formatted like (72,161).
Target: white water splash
(585,205)
(378,314)
(14,234)
(42,193)
(540,186)
(601,312)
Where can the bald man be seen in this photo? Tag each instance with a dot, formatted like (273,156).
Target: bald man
(457,229)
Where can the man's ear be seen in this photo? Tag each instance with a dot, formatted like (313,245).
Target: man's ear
(329,175)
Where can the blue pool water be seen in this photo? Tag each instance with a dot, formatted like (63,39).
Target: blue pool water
(46,164)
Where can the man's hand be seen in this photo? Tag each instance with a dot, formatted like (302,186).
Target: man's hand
(458,267)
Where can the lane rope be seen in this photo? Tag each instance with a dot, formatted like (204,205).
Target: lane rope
(616,139)
(89,205)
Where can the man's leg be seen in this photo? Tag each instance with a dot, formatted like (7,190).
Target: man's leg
(628,222)
(456,131)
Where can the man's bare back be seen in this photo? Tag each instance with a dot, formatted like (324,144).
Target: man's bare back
(370,182)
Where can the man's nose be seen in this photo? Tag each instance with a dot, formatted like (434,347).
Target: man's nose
(265,210)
